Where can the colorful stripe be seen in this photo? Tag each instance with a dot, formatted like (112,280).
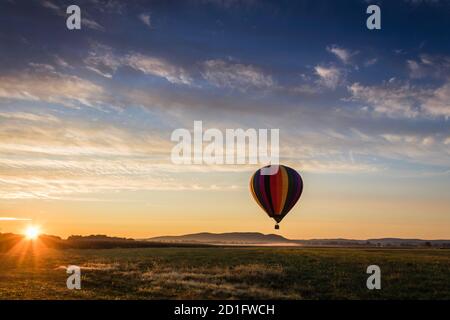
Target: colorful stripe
(278,193)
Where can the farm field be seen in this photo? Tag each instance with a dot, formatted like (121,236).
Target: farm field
(226,273)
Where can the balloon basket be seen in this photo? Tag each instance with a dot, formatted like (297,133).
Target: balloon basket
(277,227)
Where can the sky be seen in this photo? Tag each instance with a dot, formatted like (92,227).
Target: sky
(86,115)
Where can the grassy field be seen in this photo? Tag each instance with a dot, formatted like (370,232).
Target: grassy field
(226,273)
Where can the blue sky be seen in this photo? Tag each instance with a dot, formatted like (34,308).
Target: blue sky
(86,115)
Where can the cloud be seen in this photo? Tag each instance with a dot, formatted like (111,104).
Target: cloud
(342,54)
(235,75)
(429,66)
(403,100)
(92,24)
(73,157)
(392,100)
(103,61)
(66,90)
(328,76)
(14,219)
(70,159)
(29,116)
(438,103)
(61,62)
(360,150)
(50,5)
(158,67)
(146,19)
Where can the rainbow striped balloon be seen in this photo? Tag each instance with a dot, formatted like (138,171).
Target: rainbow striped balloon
(278,193)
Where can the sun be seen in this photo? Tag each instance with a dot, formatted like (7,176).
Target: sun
(32,232)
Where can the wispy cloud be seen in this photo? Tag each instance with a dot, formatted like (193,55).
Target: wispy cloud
(392,99)
(238,76)
(146,19)
(50,5)
(104,61)
(401,99)
(14,219)
(29,116)
(345,55)
(158,67)
(92,24)
(429,66)
(328,76)
(52,87)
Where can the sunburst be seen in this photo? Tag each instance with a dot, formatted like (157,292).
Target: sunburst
(32,232)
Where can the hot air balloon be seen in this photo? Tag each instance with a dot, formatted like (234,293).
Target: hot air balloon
(277,194)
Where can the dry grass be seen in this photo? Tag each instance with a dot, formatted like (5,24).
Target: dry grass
(226,273)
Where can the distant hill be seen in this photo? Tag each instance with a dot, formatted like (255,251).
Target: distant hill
(8,241)
(224,238)
(204,239)
(255,238)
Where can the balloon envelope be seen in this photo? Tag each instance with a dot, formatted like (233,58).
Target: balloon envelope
(276,194)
